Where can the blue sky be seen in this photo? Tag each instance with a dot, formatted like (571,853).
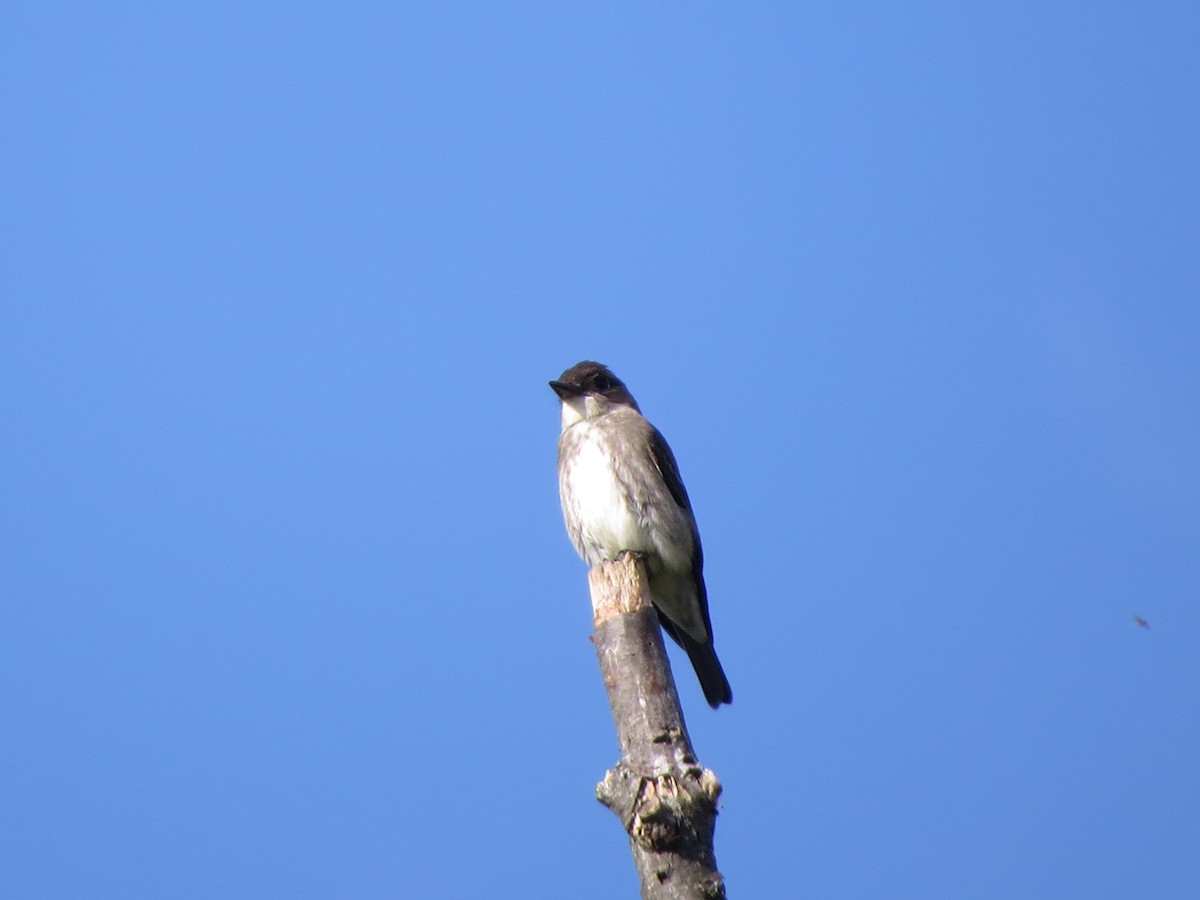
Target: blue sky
(288,609)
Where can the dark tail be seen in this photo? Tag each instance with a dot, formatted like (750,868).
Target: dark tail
(704,660)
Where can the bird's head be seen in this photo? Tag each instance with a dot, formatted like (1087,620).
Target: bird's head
(589,389)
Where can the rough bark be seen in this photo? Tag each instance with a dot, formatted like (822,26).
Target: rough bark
(664,798)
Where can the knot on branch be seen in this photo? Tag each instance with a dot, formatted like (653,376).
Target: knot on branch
(673,811)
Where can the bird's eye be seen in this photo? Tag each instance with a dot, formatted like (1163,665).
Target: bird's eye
(602,383)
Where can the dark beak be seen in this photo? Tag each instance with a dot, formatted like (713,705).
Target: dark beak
(565,390)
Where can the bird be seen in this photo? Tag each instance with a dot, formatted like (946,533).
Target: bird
(621,492)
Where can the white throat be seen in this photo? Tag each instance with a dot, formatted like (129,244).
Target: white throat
(580,407)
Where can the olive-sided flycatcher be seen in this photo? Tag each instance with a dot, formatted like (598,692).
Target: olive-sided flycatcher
(620,490)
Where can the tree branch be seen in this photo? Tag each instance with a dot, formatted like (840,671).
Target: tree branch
(663,796)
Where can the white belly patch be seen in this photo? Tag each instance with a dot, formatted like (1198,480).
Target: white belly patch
(607,525)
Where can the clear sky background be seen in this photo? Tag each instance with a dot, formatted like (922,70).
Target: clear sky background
(287,606)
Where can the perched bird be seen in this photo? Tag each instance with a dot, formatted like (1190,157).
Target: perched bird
(621,491)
